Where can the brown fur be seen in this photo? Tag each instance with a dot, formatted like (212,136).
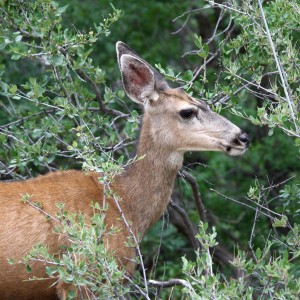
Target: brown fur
(145,188)
(23,226)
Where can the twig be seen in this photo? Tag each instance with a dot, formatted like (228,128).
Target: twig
(46,262)
(171,282)
(252,83)
(265,208)
(199,69)
(252,235)
(189,12)
(221,15)
(136,286)
(282,75)
(288,131)
(116,200)
(183,25)
(157,252)
(226,98)
(28,117)
(212,57)
(39,209)
(217,34)
(58,77)
(244,204)
(278,184)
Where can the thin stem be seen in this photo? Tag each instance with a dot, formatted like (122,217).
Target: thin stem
(253,234)
(171,282)
(135,241)
(282,75)
(241,203)
(42,211)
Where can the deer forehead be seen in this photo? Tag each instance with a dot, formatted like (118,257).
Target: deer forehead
(182,105)
(178,100)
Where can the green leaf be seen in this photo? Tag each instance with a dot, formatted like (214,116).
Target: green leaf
(62,9)
(258,253)
(71,295)
(198,41)
(28,269)
(16,56)
(204,51)
(50,270)
(57,60)
(185,263)
(188,75)
(37,133)
(121,159)
(18,38)
(280,222)
(13,89)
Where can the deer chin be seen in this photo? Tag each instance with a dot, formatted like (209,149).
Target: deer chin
(235,151)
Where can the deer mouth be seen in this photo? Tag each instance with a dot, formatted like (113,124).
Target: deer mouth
(238,146)
(234,150)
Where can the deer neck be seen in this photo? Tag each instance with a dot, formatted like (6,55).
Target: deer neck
(146,186)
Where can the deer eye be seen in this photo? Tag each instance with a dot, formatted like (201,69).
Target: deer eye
(187,113)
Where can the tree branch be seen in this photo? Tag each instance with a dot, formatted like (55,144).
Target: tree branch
(190,230)
(199,204)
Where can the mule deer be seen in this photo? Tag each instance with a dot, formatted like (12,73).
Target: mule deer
(173,122)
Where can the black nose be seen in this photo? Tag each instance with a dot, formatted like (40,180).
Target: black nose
(244,138)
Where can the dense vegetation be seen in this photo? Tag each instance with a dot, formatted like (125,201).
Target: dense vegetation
(63,107)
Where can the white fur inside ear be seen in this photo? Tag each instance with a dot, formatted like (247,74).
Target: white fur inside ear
(149,95)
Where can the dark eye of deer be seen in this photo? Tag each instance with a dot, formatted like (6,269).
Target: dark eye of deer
(187,113)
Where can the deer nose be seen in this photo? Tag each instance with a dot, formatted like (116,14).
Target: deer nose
(244,138)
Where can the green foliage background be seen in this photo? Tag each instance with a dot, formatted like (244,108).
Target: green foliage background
(48,131)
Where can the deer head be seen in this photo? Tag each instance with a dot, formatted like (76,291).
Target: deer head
(178,121)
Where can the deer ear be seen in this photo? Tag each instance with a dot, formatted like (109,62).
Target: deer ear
(138,79)
(141,81)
